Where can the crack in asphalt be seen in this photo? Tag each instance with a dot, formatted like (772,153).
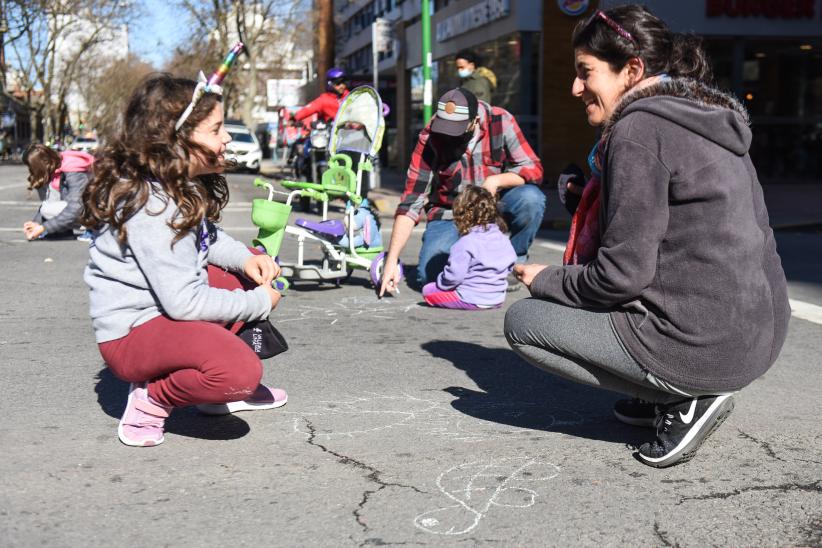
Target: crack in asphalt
(763,444)
(813,487)
(662,535)
(373,474)
(381,542)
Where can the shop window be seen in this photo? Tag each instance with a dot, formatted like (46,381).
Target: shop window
(514,60)
(780,83)
(784,97)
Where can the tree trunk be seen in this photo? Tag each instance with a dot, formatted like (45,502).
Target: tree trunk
(325,40)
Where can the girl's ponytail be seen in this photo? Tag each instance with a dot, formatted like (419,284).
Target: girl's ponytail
(689,59)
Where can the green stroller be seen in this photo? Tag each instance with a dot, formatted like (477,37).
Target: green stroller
(346,244)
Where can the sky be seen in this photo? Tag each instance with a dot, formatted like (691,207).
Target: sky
(156,34)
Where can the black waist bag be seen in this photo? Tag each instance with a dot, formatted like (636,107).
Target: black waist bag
(263,338)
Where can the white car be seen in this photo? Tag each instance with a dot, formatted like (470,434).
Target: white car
(244,149)
(85,144)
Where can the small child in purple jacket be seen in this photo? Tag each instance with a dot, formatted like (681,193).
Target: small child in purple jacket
(479,263)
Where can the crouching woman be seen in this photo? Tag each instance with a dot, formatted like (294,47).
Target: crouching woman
(682,301)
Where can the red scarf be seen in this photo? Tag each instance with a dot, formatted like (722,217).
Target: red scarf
(583,238)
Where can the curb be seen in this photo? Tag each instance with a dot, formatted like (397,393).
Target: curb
(809,226)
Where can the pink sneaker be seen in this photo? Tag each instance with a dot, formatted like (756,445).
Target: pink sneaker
(262,398)
(143,420)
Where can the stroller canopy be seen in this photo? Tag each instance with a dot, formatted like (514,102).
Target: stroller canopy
(359,124)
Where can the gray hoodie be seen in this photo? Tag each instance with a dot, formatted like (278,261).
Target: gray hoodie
(72,185)
(148,277)
(687,263)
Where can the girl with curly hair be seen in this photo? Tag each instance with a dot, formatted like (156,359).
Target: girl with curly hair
(480,261)
(158,305)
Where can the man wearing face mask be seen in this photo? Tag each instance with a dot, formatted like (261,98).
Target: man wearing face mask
(467,142)
(480,81)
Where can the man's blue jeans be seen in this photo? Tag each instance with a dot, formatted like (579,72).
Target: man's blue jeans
(522,208)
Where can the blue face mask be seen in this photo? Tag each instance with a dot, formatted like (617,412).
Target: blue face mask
(464,73)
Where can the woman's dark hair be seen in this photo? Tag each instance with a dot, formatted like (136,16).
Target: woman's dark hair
(475,206)
(42,162)
(662,51)
(147,148)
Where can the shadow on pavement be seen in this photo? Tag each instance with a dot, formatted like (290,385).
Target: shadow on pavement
(112,394)
(517,394)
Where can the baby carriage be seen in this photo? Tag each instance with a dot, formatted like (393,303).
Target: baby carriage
(353,242)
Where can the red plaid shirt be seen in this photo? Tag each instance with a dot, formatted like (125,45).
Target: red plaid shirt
(432,188)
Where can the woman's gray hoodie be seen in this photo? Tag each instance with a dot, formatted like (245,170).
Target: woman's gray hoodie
(687,262)
(148,277)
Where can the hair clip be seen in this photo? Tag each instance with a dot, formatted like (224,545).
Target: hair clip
(212,85)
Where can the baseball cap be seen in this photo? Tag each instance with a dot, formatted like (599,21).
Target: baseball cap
(455,110)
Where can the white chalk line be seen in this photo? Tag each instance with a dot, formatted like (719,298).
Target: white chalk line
(552,246)
(380,412)
(15,185)
(514,476)
(806,311)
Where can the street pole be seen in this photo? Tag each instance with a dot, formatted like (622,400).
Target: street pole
(375,183)
(4,28)
(427,91)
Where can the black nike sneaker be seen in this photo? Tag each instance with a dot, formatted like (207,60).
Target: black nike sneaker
(682,427)
(636,412)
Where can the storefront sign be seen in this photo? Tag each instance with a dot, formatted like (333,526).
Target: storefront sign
(474,17)
(573,7)
(772,9)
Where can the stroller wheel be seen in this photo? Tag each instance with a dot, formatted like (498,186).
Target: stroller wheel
(377,266)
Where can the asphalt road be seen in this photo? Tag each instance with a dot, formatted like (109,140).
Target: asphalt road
(405,425)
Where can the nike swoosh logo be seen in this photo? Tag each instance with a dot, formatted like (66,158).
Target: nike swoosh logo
(689,416)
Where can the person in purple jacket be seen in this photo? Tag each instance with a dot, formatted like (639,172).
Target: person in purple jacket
(479,263)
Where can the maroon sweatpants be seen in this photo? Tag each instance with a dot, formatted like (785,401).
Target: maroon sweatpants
(188,362)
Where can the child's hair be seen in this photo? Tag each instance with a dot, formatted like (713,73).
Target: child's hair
(147,148)
(42,162)
(475,206)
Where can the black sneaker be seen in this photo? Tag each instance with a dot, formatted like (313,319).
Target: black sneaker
(682,427)
(636,412)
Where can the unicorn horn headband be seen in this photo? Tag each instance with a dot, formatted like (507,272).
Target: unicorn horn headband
(212,85)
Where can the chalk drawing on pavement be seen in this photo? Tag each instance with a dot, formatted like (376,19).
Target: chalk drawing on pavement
(477,487)
(370,413)
(347,308)
(362,415)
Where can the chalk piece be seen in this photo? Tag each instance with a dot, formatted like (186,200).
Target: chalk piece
(48,260)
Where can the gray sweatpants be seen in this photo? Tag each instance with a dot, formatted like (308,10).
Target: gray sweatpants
(581,345)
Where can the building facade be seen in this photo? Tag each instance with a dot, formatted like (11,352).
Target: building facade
(504,33)
(769,53)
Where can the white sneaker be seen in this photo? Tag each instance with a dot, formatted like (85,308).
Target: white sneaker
(262,398)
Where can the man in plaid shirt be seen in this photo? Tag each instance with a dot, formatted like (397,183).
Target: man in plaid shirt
(468,142)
